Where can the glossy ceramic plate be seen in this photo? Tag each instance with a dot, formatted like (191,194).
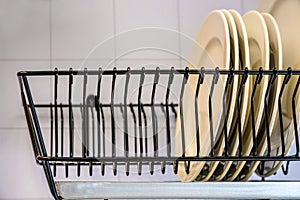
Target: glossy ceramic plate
(230,102)
(212,49)
(287,16)
(244,60)
(272,103)
(259,56)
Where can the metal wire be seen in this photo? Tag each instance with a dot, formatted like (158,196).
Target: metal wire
(100,149)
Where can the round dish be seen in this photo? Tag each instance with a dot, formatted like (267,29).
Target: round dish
(244,61)
(259,56)
(205,175)
(286,14)
(212,49)
(275,62)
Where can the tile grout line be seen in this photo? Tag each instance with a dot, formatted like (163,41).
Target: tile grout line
(24,59)
(114,32)
(75,59)
(50,33)
(179,33)
(50,46)
(14,128)
(115,44)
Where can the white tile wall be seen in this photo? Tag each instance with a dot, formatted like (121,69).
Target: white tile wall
(79,26)
(24,29)
(11,106)
(20,176)
(81,64)
(43,34)
(142,25)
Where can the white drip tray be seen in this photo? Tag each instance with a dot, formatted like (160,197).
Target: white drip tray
(175,190)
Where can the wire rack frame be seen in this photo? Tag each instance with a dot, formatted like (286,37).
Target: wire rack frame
(95,125)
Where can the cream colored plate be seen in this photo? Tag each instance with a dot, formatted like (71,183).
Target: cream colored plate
(244,60)
(275,61)
(206,174)
(259,56)
(287,16)
(213,37)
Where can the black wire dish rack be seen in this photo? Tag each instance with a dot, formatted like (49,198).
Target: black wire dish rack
(124,121)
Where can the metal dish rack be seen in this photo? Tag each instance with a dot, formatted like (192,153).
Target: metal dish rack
(83,132)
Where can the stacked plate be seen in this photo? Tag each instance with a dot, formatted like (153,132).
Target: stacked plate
(231,41)
(287,15)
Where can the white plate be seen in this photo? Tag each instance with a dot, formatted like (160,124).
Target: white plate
(244,60)
(259,56)
(205,175)
(287,15)
(213,37)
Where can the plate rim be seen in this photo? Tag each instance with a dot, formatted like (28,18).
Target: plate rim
(195,170)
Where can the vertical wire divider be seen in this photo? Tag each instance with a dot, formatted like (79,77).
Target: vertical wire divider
(163,163)
(78,169)
(199,83)
(295,117)
(103,139)
(62,136)
(93,132)
(97,108)
(175,162)
(62,130)
(146,130)
(285,169)
(122,113)
(127,163)
(146,138)
(83,113)
(260,170)
(184,82)
(153,111)
(71,121)
(113,126)
(135,131)
(55,119)
(125,121)
(90,104)
(239,102)
(51,129)
(93,124)
(142,79)
(45,164)
(211,92)
(272,79)
(168,130)
(153,114)
(225,110)
(78,163)
(287,77)
(83,118)
(257,82)
(86,119)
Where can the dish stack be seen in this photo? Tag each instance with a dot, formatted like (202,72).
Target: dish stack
(231,41)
